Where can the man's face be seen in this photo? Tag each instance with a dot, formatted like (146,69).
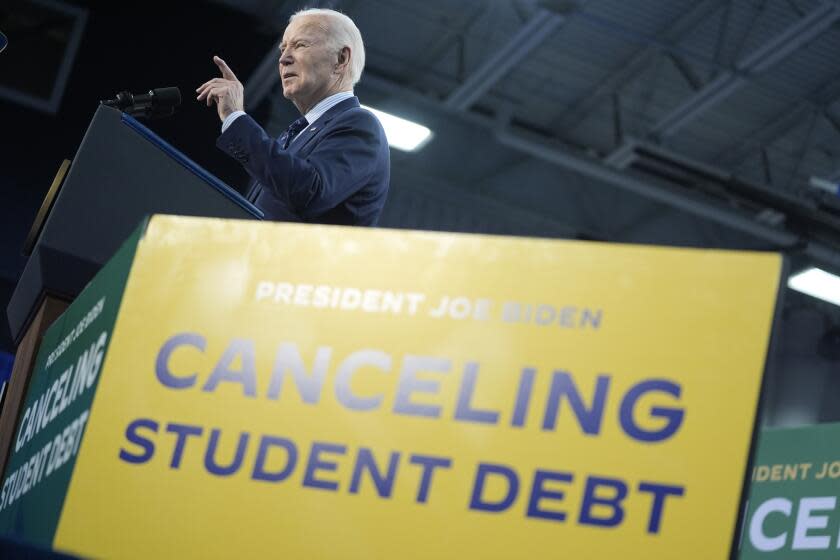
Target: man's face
(307,63)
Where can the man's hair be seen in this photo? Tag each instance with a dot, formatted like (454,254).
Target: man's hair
(341,32)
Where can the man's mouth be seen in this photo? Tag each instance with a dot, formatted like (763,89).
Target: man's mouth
(287,76)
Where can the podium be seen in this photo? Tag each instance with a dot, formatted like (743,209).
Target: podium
(122,172)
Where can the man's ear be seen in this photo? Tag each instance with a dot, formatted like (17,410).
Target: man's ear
(343,60)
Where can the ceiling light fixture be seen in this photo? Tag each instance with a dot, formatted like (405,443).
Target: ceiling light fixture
(824,184)
(402,134)
(817,283)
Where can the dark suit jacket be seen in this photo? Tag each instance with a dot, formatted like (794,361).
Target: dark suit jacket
(336,172)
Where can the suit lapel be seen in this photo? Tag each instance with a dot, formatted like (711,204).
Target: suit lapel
(305,137)
(312,130)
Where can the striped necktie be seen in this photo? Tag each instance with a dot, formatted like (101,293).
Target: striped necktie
(293,130)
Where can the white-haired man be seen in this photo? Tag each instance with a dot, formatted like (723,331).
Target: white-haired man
(330,166)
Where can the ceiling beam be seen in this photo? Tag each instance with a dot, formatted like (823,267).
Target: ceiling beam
(693,203)
(833,176)
(529,37)
(769,54)
(688,202)
(803,150)
(443,43)
(781,125)
(631,68)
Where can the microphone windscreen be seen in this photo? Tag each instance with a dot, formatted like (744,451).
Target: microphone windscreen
(168,96)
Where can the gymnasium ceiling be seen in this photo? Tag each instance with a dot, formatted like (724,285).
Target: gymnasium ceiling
(679,122)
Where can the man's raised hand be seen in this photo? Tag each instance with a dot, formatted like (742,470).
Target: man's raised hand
(226,92)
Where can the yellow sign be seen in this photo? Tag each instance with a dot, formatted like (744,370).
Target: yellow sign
(278,390)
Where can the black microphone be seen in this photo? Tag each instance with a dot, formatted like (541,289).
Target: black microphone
(160,102)
(3,41)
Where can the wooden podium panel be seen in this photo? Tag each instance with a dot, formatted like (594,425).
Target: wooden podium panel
(49,310)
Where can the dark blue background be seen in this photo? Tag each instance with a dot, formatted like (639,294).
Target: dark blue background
(124,47)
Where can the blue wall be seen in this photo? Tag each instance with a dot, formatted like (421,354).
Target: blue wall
(6,361)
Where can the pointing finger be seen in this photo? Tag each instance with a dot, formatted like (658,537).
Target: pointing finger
(227,73)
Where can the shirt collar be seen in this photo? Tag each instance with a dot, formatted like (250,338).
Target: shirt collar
(326,104)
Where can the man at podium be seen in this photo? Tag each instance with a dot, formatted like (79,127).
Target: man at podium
(332,165)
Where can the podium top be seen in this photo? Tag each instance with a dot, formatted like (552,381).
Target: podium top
(192,166)
(122,173)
